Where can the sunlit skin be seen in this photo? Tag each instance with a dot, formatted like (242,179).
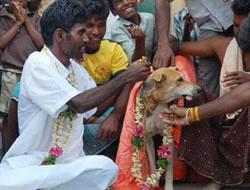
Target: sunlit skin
(126,9)
(95,30)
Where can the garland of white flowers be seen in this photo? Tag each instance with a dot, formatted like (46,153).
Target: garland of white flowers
(62,130)
(164,151)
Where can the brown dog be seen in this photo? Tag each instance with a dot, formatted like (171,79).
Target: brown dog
(162,87)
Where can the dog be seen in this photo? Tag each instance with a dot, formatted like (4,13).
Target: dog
(158,91)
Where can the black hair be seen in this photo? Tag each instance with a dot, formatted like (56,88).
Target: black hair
(33,5)
(110,2)
(62,14)
(241,7)
(97,8)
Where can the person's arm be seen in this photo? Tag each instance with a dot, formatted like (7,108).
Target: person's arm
(209,47)
(139,36)
(110,125)
(19,19)
(164,55)
(34,34)
(230,102)
(92,98)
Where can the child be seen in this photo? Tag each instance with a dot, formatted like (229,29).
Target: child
(104,61)
(19,36)
(134,31)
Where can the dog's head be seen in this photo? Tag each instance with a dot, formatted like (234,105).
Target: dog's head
(167,84)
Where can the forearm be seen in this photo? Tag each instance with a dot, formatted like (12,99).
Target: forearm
(94,97)
(162,21)
(230,102)
(139,50)
(9,35)
(34,34)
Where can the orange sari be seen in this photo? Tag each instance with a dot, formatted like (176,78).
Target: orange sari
(123,159)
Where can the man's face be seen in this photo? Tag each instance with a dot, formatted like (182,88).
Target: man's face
(238,19)
(125,8)
(96,29)
(74,45)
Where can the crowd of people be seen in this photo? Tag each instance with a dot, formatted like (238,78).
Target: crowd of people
(65,88)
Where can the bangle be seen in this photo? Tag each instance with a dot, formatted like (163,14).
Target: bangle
(197,117)
(192,114)
(187,111)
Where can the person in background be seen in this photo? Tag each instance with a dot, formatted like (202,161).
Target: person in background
(134,31)
(213,18)
(19,36)
(105,61)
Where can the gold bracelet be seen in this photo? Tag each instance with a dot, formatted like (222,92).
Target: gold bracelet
(197,117)
(192,114)
(187,111)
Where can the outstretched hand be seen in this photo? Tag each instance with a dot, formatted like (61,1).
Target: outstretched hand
(175,116)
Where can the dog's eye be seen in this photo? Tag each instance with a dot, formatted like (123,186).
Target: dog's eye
(180,80)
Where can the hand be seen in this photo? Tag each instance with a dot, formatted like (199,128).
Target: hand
(137,33)
(188,27)
(164,57)
(233,79)
(109,127)
(138,71)
(175,116)
(18,11)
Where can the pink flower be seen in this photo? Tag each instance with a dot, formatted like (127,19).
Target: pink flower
(164,151)
(56,151)
(138,131)
(144,187)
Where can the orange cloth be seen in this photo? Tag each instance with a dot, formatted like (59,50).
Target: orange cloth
(124,154)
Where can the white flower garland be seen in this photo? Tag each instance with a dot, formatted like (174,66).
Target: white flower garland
(137,166)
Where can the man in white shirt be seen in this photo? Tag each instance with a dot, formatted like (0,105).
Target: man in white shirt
(56,95)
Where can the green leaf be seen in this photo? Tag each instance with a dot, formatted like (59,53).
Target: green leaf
(138,142)
(162,163)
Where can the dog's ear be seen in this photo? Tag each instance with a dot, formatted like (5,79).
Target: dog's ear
(159,79)
(173,68)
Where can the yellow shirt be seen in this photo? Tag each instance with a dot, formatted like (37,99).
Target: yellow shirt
(105,63)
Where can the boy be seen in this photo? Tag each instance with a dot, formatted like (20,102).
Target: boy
(19,36)
(104,61)
(134,31)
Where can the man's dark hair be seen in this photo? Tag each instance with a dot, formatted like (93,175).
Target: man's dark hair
(98,9)
(241,7)
(62,14)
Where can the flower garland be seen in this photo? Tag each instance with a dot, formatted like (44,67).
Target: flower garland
(62,129)
(164,151)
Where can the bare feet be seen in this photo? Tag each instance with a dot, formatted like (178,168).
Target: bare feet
(212,186)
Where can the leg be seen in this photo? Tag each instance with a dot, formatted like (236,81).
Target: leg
(169,177)
(150,149)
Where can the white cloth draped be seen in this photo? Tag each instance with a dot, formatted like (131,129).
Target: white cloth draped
(44,93)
